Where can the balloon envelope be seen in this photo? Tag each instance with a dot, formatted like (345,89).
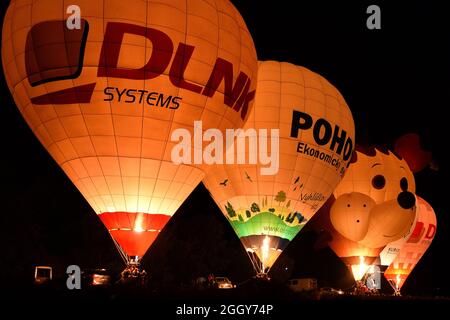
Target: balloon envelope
(408,146)
(415,246)
(316,134)
(104,89)
(372,206)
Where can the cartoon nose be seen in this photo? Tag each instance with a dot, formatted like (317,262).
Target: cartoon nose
(406,200)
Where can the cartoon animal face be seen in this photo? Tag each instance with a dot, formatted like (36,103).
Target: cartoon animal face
(356,208)
(375,202)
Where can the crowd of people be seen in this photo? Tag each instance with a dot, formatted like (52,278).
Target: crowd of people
(134,272)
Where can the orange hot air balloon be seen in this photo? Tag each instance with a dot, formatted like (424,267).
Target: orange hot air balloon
(311,134)
(105,87)
(373,205)
(414,248)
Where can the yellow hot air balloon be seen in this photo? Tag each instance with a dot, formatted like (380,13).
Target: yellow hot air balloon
(105,84)
(414,247)
(311,134)
(373,205)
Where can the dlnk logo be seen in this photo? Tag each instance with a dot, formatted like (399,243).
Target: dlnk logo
(55,52)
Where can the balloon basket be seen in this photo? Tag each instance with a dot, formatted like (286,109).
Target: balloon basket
(262,276)
(134,274)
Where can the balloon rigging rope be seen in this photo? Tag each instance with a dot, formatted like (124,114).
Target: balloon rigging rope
(123,255)
(254,262)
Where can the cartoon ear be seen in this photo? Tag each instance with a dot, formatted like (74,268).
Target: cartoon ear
(410,149)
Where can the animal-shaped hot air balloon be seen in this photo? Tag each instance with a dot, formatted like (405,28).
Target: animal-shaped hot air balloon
(105,86)
(306,124)
(414,247)
(373,205)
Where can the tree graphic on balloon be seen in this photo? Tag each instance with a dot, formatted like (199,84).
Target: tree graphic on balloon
(280,197)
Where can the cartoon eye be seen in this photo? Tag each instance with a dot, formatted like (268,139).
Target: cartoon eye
(378,182)
(404,184)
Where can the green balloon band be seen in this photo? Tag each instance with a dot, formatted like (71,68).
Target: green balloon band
(266,223)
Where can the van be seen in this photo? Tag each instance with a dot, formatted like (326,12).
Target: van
(304,284)
(42,274)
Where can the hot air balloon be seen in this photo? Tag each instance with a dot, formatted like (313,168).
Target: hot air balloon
(391,250)
(409,148)
(105,86)
(311,132)
(414,247)
(373,205)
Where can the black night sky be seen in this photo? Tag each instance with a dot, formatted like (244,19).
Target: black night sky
(395,80)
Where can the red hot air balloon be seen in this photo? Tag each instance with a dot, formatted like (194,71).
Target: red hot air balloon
(409,148)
